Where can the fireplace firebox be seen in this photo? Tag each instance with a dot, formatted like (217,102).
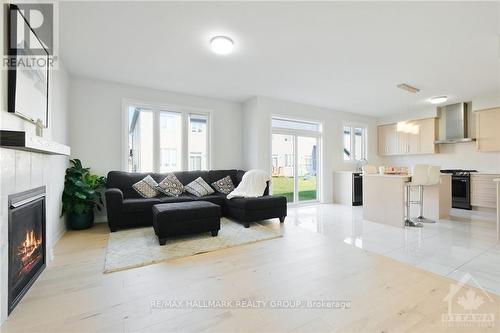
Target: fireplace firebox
(27,242)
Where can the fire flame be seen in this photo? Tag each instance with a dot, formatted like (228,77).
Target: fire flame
(26,250)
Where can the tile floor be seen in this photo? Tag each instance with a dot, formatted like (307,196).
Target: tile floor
(463,244)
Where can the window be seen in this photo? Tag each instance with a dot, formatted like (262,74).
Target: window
(198,142)
(195,161)
(359,143)
(354,138)
(168,159)
(196,127)
(170,141)
(141,141)
(166,141)
(347,143)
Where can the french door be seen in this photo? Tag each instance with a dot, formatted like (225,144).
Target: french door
(295,166)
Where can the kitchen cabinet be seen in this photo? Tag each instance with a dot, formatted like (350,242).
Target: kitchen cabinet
(408,137)
(483,190)
(487,129)
(387,140)
(428,135)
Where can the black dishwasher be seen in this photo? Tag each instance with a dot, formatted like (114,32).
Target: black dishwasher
(357,189)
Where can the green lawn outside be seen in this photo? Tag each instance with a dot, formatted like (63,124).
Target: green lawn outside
(284,186)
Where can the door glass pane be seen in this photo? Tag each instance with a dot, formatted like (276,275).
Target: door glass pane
(197,140)
(307,150)
(170,141)
(283,171)
(347,143)
(140,140)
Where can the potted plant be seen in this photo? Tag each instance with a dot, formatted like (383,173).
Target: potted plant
(81,194)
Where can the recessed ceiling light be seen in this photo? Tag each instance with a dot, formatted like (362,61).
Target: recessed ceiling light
(438,99)
(222,44)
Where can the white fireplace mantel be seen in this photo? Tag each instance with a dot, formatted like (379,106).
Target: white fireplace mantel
(21,140)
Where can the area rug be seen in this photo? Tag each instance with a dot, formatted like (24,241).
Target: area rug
(139,247)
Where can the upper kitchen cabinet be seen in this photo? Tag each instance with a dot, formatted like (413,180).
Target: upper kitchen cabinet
(428,134)
(387,140)
(488,129)
(408,137)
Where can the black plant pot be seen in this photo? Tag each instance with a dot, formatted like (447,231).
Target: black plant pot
(80,221)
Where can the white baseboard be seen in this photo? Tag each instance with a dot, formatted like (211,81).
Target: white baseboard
(101,219)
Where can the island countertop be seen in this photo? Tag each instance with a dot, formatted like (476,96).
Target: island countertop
(385,175)
(396,176)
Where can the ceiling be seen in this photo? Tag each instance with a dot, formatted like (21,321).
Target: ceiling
(344,56)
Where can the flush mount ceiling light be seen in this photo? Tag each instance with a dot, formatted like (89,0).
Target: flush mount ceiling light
(438,99)
(408,88)
(221,44)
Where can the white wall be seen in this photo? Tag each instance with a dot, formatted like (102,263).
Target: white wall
(96,122)
(257,113)
(450,156)
(20,170)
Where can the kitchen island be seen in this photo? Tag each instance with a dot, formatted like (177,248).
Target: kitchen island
(384,198)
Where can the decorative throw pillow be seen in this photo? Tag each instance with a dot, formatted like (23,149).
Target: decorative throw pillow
(170,186)
(146,187)
(224,185)
(199,187)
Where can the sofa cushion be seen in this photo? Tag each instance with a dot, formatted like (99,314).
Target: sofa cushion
(216,175)
(186,177)
(139,204)
(224,185)
(199,188)
(124,181)
(264,202)
(146,187)
(216,198)
(171,186)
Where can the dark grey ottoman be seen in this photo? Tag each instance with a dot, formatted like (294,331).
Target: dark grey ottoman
(174,219)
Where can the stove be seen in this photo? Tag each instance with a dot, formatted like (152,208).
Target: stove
(458,172)
(460,188)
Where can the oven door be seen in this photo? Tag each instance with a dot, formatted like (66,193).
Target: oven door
(460,192)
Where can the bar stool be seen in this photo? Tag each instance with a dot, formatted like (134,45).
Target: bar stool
(419,178)
(423,175)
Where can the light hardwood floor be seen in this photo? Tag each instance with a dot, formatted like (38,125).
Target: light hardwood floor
(73,295)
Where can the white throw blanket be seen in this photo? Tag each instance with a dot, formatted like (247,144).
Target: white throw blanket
(252,185)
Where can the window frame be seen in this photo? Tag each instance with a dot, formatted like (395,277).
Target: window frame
(364,147)
(184,111)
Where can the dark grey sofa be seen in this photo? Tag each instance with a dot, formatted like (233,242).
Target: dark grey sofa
(125,208)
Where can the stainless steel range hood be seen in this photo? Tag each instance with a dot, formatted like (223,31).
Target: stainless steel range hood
(455,121)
